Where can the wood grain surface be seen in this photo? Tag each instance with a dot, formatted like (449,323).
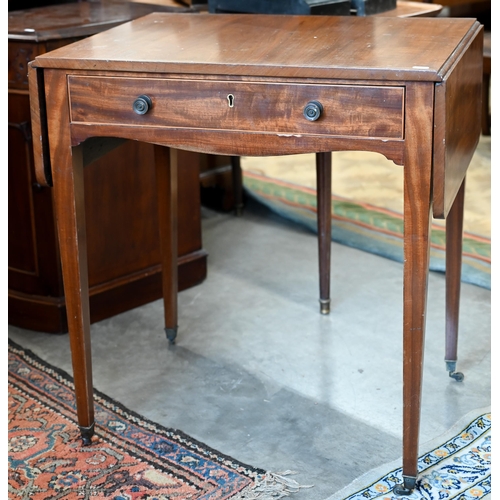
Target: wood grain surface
(383,48)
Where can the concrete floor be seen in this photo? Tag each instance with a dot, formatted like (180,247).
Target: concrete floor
(258,374)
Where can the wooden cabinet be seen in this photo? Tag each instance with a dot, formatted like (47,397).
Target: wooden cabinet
(121,202)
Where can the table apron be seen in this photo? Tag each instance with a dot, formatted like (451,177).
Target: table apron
(240,143)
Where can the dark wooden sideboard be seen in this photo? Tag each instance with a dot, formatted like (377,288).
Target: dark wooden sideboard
(121,204)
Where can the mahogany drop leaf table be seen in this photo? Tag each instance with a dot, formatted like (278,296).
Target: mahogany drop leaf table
(408,88)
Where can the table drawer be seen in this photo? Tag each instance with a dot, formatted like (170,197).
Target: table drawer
(355,111)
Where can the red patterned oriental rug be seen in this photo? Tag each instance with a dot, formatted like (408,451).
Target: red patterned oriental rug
(130,458)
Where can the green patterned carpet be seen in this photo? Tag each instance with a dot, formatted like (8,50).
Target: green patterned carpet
(370,217)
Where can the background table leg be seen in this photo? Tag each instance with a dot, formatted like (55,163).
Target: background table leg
(237,175)
(454,236)
(324,214)
(166,183)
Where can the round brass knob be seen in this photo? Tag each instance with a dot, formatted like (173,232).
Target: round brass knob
(142,104)
(313,110)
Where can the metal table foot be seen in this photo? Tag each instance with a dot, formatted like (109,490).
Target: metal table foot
(451,367)
(407,487)
(87,433)
(324,306)
(171,334)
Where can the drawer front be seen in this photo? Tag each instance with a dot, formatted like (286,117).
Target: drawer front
(354,111)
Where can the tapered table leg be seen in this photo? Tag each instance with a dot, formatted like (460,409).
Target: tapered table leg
(69,207)
(166,182)
(324,206)
(417,218)
(68,187)
(454,237)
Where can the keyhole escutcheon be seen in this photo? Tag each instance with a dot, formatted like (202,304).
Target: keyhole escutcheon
(230,100)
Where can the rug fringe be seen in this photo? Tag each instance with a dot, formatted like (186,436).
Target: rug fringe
(271,486)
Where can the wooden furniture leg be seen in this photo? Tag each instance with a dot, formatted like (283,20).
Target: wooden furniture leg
(69,203)
(237,175)
(454,235)
(166,182)
(324,202)
(417,218)
(68,184)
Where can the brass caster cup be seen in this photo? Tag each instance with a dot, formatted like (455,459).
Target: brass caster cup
(324,306)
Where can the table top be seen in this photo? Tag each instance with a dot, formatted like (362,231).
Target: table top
(361,48)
